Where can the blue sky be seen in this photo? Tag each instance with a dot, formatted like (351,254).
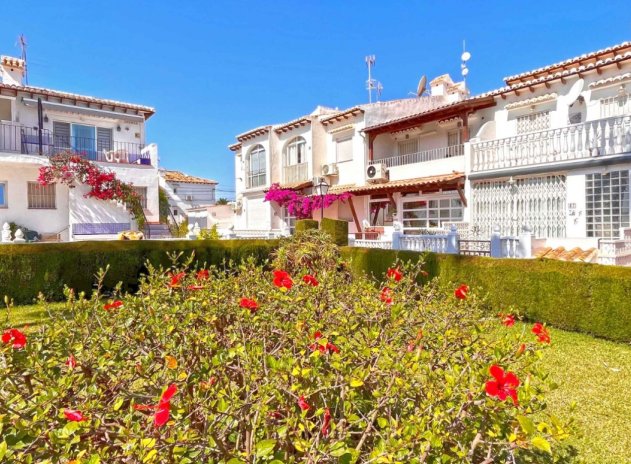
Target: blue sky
(216,68)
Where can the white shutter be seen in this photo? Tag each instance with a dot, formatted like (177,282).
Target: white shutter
(344,149)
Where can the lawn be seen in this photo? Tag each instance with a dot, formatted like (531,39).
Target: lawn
(593,373)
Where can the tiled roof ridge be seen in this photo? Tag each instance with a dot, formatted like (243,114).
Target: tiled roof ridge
(178,176)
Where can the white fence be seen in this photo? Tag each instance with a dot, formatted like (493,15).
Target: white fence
(616,251)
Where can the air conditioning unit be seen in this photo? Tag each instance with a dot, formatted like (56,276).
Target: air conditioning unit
(377,173)
(189,197)
(329,169)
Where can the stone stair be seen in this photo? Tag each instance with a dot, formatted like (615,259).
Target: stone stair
(155,230)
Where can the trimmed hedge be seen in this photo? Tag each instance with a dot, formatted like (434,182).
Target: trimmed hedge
(582,297)
(336,229)
(26,270)
(306,224)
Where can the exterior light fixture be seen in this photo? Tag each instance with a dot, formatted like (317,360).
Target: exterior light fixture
(321,189)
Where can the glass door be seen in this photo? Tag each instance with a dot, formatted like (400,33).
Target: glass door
(84,140)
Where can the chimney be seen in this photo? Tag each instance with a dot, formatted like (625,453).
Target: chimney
(12,70)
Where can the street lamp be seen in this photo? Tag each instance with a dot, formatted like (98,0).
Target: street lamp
(321,189)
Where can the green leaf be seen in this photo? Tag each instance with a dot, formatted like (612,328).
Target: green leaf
(265,447)
(526,424)
(150,455)
(356,383)
(542,444)
(3,449)
(148,442)
(118,404)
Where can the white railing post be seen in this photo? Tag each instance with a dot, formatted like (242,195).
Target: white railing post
(453,241)
(396,239)
(496,243)
(524,245)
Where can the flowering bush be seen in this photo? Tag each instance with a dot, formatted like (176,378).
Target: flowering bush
(69,167)
(299,205)
(255,366)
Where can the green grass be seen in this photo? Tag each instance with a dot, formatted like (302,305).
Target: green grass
(593,373)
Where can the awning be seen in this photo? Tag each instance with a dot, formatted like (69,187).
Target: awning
(418,184)
(85,110)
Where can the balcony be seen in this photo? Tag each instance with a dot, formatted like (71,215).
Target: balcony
(422,156)
(296,173)
(602,137)
(19,139)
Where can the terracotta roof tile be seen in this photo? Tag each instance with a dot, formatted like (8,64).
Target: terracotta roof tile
(253,133)
(401,185)
(12,61)
(177,176)
(561,254)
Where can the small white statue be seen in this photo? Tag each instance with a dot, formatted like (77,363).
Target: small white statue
(6,233)
(19,237)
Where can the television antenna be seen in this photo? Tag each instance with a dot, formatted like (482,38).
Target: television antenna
(372,84)
(23,45)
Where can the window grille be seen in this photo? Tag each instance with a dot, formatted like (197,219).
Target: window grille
(533,122)
(615,106)
(41,196)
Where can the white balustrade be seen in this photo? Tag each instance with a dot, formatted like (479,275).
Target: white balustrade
(433,243)
(422,156)
(383,244)
(601,137)
(296,173)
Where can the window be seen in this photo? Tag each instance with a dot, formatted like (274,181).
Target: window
(289,220)
(256,167)
(408,147)
(3,195)
(142,193)
(381,210)
(615,106)
(344,149)
(454,144)
(428,212)
(607,203)
(104,139)
(295,152)
(533,122)
(41,196)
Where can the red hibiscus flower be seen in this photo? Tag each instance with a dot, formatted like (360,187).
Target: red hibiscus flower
(521,349)
(202,274)
(461,292)
(324,349)
(310,280)
(175,279)
(302,403)
(282,280)
(250,304)
(508,320)
(74,416)
(113,305)
(541,332)
(163,408)
(163,414)
(195,287)
(168,393)
(394,273)
(71,362)
(326,422)
(386,295)
(504,386)
(14,336)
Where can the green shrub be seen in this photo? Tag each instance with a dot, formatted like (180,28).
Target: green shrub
(336,229)
(306,224)
(209,234)
(298,373)
(27,270)
(582,297)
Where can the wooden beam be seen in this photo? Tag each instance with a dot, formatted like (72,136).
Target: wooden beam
(463,199)
(391,198)
(465,127)
(357,224)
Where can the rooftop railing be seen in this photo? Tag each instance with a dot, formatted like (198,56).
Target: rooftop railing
(19,139)
(422,156)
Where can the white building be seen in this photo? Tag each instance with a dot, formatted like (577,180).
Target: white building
(108,132)
(186,192)
(551,150)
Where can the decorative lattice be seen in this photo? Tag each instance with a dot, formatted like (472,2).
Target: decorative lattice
(538,202)
(533,122)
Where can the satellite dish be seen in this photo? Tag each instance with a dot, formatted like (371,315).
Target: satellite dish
(421,86)
(487,131)
(574,92)
(466,56)
(465,71)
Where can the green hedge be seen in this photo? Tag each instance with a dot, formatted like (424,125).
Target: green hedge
(306,224)
(582,297)
(26,270)
(336,229)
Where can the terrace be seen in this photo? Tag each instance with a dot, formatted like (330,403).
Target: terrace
(17,138)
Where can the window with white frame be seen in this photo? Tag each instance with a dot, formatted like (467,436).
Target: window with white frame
(256,167)
(3,195)
(381,210)
(607,203)
(408,147)
(426,212)
(295,152)
(619,105)
(289,220)
(533,122)
(41,196)
(454,143)
(344,149)
(142,193)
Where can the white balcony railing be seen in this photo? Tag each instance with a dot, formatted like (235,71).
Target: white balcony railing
(601,137)
(422,156)
(296,173)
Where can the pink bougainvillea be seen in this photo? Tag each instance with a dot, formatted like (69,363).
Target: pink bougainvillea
(302,206)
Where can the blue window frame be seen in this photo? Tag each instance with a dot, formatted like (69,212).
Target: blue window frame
(84,140)
(3,194)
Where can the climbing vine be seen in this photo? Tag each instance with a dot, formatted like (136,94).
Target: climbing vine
(302,206)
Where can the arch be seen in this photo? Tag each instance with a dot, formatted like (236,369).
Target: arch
(256,166)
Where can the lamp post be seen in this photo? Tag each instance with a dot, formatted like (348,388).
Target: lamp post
(322,189)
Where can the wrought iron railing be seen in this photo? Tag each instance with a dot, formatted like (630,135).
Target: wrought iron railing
(601,137)
(19,139)
(422,156)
